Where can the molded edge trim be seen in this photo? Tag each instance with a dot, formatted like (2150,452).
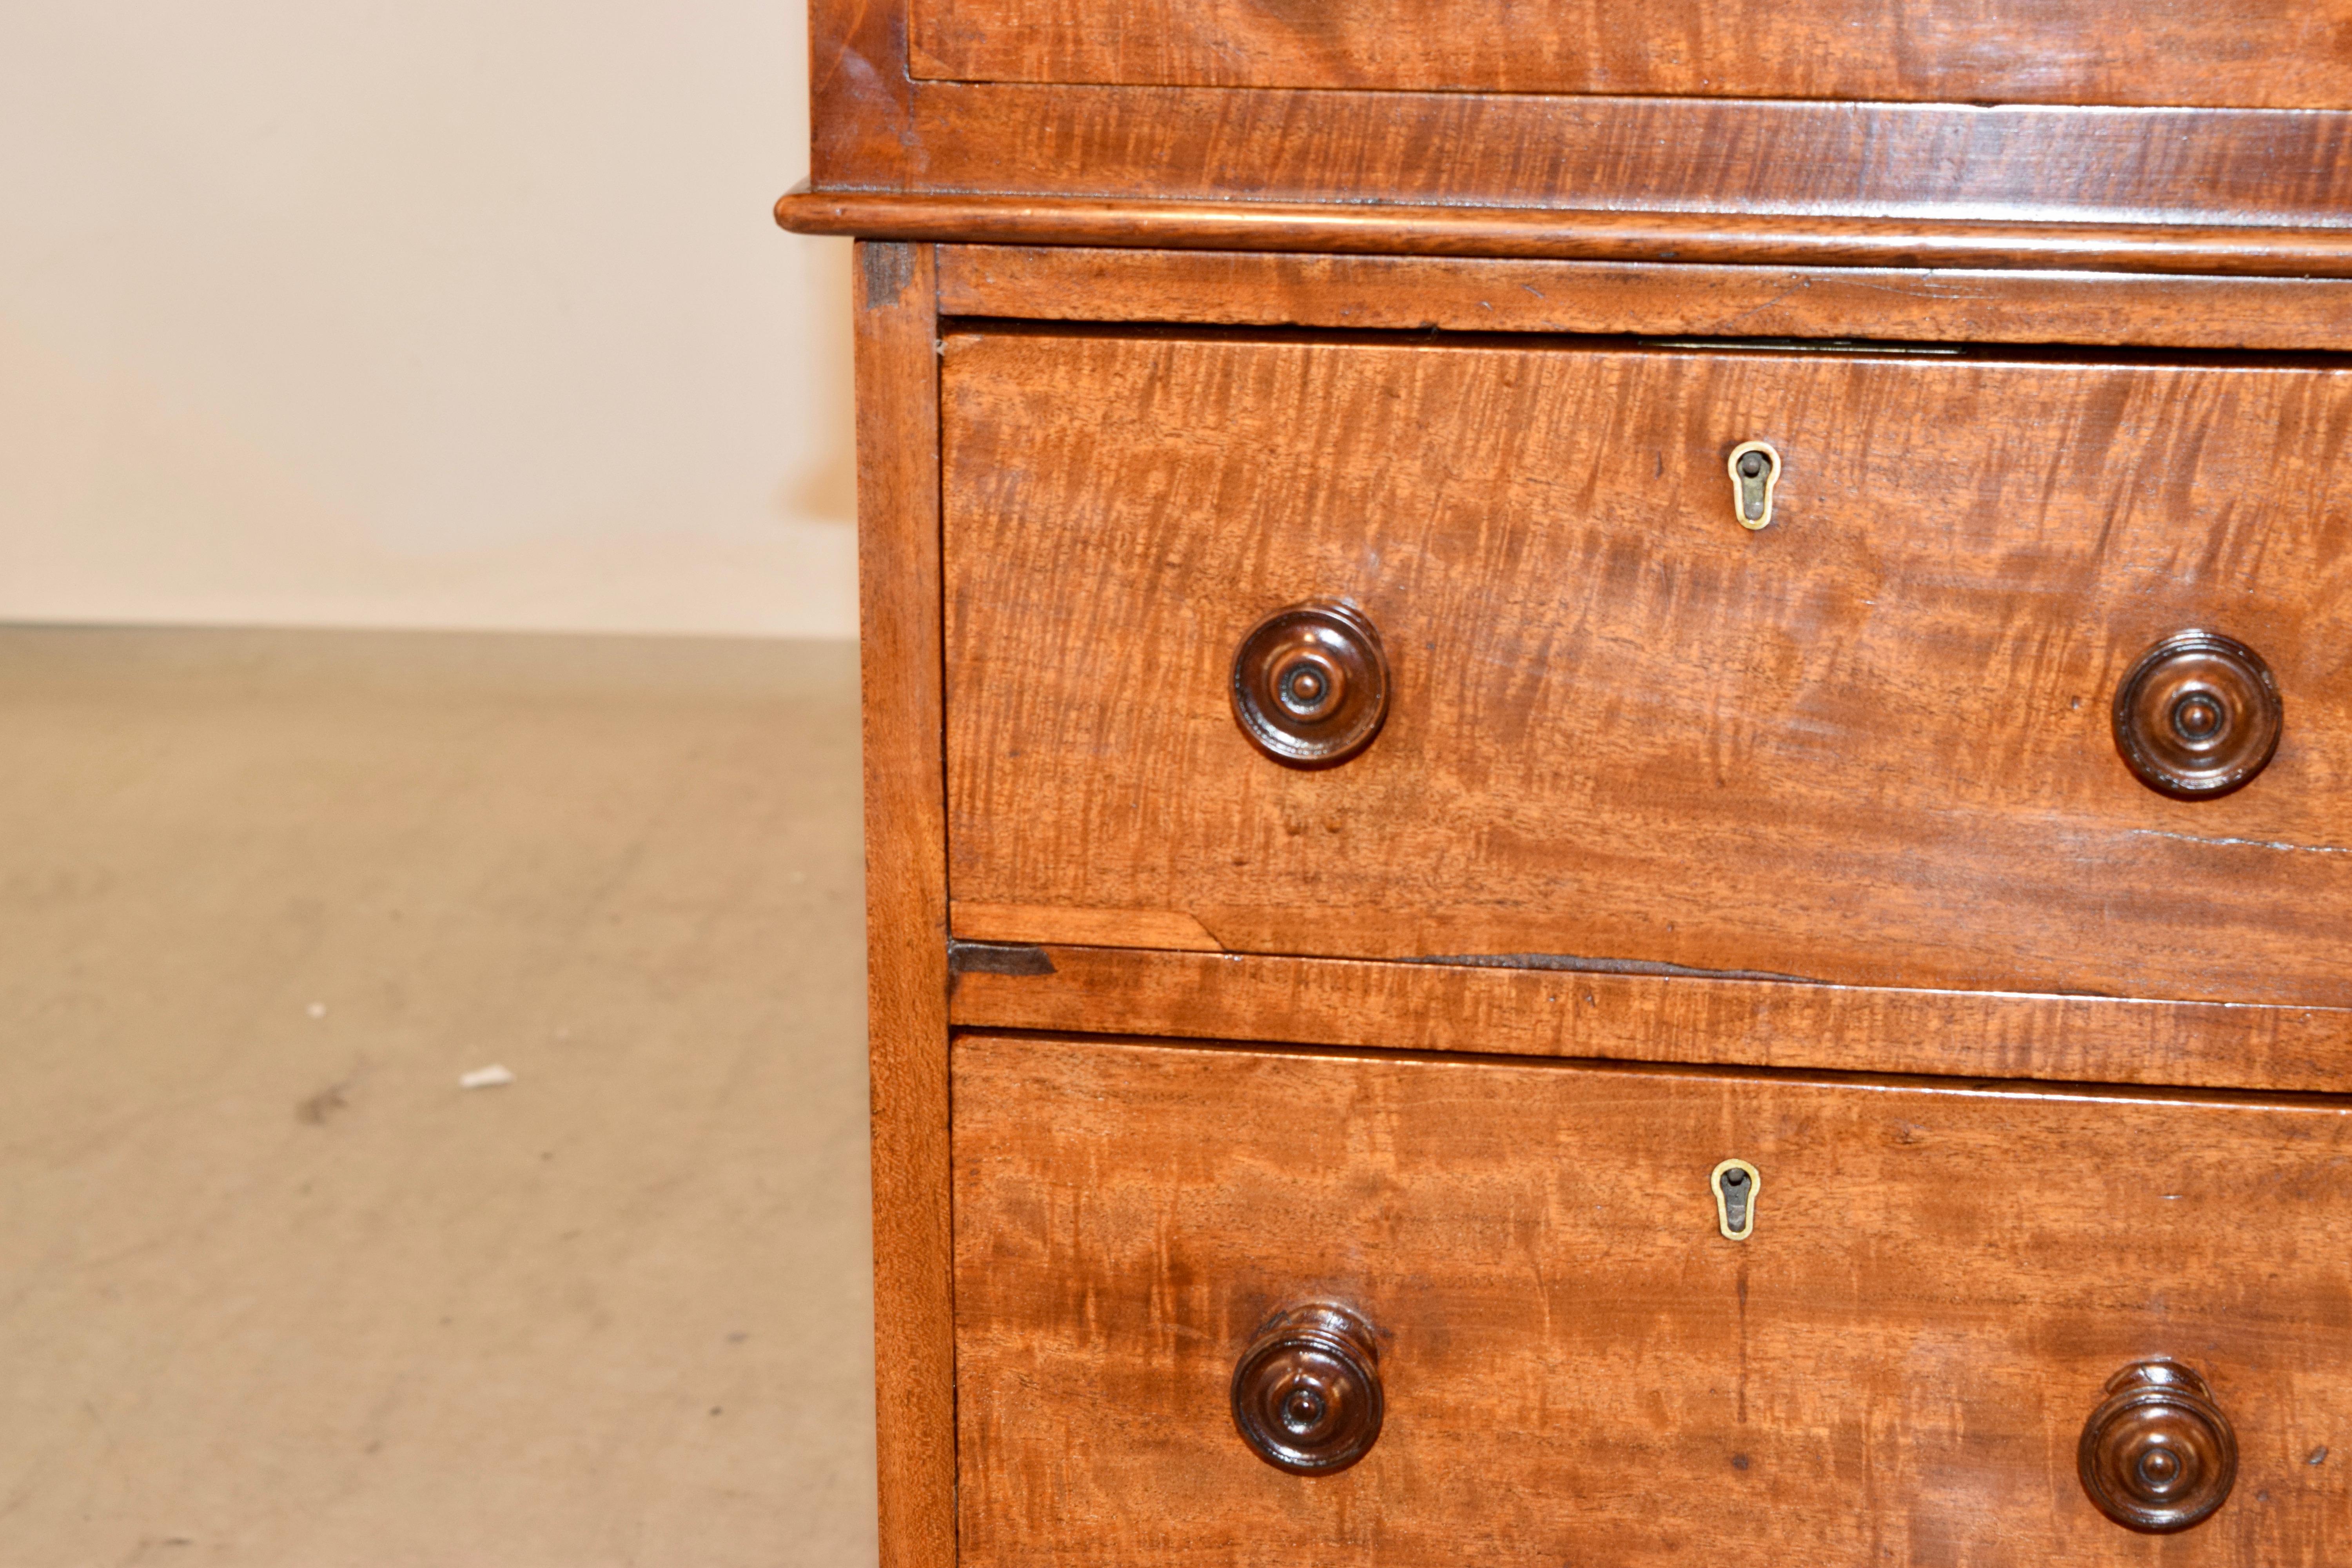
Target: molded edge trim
(1569,234)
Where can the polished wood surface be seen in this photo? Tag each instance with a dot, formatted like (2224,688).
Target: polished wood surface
(1752,238)
(906,899)
(861,103)
(1868,745)
(1893,1369)
(1649,1018)
(2292,55)
(1270,289)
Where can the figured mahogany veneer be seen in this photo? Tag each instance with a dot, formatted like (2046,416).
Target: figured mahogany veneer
(1869,745)
(1650,299)
(2067,52)
(1895,1366)
(1620,1013)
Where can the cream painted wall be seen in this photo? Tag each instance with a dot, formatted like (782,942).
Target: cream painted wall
(436,313)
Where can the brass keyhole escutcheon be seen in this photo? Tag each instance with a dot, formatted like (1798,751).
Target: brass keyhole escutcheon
(1735,1183)
(1755,475)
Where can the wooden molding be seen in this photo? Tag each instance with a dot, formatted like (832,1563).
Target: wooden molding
(1749,239)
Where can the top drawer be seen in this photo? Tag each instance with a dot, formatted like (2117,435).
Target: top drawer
(1870,743)
(2294,55)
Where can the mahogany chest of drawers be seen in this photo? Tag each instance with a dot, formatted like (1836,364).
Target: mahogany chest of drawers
(1610,778)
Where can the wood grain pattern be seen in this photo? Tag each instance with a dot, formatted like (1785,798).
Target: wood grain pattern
(1750,239)
(906,899)
(1892,1370)
(1268,288)
(861,102)
(2294,55)
(1691,1019)
(1870,745)
(1364,151)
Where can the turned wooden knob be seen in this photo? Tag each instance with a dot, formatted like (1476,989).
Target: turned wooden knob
(2198,715)
(2157,1454)
(1306,1392)
(1311,684)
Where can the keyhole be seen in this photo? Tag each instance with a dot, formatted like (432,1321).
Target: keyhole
(1735,1182)
(1735,1199)
(1755,472)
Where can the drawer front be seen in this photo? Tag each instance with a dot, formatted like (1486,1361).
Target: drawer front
(1575,1365)
(1870,743)
(2292,55)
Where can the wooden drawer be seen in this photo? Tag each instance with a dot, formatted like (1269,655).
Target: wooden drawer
(2294,55)
(1894,1367)
(1871,743)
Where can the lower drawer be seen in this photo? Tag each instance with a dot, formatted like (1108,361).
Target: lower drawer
(1576,1365)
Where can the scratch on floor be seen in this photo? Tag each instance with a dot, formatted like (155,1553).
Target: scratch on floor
(2242,843)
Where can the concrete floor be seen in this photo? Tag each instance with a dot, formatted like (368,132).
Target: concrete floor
(273,1290)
